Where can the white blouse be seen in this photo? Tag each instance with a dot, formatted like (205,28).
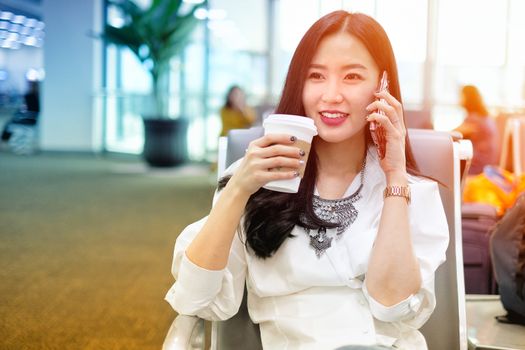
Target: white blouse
(304,302)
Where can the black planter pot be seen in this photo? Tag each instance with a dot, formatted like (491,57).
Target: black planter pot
(165,142)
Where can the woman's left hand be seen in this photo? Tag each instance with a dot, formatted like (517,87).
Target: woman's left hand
(394,130)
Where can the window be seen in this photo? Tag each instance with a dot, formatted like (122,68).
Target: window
(471,49)
(480,42)
(408,37)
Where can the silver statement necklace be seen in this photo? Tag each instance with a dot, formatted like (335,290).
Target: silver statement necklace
(335,211)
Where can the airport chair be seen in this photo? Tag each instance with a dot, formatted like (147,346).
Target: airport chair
(438,156)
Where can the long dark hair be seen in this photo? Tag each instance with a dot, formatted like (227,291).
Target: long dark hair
(270,216)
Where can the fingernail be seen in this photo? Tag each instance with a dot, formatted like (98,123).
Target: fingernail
(302,153)
(301,162)
(296,174)
(368,108)
(293,138)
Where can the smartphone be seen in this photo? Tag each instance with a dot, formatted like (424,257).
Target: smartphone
(376,130)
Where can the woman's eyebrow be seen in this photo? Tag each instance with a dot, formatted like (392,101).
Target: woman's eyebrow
(345,67)
(317,66)
(354,66)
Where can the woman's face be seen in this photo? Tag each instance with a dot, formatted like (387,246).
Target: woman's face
(237,98)
(340,83)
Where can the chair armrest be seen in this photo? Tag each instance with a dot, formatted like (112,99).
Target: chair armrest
(465,153)
(222,149)
(186,333)
(456,135)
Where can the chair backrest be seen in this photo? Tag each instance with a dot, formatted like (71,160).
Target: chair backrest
(446,329)
(238,332)
(437,157)
(238,141)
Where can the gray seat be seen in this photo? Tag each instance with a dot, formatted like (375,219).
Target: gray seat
(437,156)
(238,140)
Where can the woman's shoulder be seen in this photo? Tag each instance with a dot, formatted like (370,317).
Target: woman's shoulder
(228,111)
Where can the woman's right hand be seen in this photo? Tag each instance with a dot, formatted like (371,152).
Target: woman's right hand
(264,154)
(210,249)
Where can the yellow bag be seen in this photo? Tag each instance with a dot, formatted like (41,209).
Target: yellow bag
(520,188)
(495,186)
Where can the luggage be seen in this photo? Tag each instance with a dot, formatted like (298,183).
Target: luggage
(507,247)
(494,186)
(477,221)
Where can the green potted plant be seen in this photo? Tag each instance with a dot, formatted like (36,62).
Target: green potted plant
(156,34)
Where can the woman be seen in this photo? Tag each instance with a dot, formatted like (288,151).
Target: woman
(235,114)
(480,128)
(365,275)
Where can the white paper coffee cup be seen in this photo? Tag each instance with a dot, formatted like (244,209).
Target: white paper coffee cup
(303,128)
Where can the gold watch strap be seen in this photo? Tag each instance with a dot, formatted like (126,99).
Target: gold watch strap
(397,191)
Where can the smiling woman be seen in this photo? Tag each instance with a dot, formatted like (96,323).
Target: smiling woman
(342,70)
(346,260)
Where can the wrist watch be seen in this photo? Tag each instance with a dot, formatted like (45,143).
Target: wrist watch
(397,191)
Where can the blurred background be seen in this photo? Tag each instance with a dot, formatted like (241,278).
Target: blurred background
(86,227)
(91,90)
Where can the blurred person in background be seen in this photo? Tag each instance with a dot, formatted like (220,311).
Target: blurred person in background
(235,114)
(32,97)
(479,128)
(28,113)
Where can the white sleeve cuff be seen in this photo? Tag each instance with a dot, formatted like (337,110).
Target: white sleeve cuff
(196,287)
(405,308)
(198,279)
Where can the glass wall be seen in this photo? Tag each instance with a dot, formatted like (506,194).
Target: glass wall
(127,84)
(238,55)
(439,44)
(476,51)
(228,47)
(21,56)
(408,37)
